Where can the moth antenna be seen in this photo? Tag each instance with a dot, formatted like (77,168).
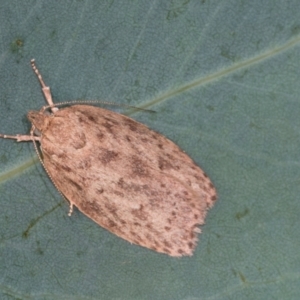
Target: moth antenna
(53,107)
(98,101)
(42,163)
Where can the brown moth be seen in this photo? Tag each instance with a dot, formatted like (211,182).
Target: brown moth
(126,177)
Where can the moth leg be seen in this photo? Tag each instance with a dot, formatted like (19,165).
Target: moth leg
(45,89)
(70,209)
(21,138)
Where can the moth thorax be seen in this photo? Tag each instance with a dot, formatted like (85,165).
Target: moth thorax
(38,119)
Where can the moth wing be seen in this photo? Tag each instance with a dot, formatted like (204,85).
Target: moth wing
(127,178)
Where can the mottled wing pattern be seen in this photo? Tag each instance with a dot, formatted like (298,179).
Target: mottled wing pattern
(127,178)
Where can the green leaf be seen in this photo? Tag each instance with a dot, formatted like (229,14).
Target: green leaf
(223,78)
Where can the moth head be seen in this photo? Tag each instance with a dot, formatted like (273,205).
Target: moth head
(38,119)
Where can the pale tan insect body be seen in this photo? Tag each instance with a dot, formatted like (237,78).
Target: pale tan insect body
(127,178)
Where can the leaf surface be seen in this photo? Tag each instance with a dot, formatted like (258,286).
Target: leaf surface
(223,78)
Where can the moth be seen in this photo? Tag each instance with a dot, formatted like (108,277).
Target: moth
(129,179)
